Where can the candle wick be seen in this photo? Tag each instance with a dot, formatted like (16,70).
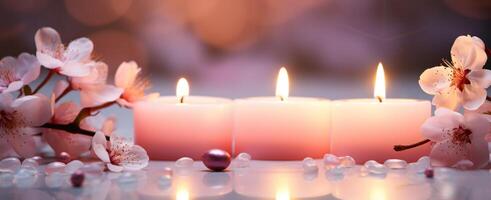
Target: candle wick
(379,99)
(181,99)
(281,98)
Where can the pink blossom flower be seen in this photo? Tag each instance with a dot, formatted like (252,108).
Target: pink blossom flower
(19,119)
(17,72)
(457,137)
(73,144)
(93,88)
(127,77)
(463,81)
(118,153)
(71,61)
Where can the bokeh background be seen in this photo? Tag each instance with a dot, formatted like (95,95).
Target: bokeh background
(234,48)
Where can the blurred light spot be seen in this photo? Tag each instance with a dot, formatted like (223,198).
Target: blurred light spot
(97,12)
(477,9)
(113,47)
(24,6)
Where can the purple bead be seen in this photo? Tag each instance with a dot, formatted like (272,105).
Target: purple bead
(77,179)
(216,159)
(429,173)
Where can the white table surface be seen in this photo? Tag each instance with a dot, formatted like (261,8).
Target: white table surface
(261,180)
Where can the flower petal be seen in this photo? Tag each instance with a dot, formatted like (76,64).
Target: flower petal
(473,96)
(48,61)
(479,153)
(135,159)
(47,40)
(100,152)
(23,143)
(478,124)
(481,77)
(61,141)
(468,53)
(99,95)
(75,69)
(436,79)
(448,98)
(79,49)
(28,67)
(114,168)
(109,125)
(126,74)
(35,109)
(434,128)
(445,153)
(99,139)
(66,112)
(14,86)
(97,76)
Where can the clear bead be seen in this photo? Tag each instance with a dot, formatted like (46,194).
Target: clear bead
(331,160)
(309,165)
(6,179)
(184,162)
(242,160)
(11,164)
(395,164)
(54,167)
(347,161)
(373,167)
(31,164)
(55,180)
(73,166)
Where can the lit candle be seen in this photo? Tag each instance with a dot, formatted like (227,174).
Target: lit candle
(282,127)
(182,125)
(367,129)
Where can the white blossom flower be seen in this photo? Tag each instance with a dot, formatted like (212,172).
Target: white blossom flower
(463,81)
(127,77)
(457,137)
(17,72)
(19,120)
(118,153)
(72,61)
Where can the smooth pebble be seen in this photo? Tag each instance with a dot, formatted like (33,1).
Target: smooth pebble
(55,180)
(374,167)
(395,164)
(347,161)
(11,164)
(242,160)
(331,160)
(309,165)
(55,167)
(184,162)
(30,163)
(73,166)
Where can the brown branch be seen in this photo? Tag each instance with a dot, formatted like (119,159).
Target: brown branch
(406,147)
(71,128)
(46,79)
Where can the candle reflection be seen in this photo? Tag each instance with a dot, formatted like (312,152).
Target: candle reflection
(282,194)
(182,194)
(378,193)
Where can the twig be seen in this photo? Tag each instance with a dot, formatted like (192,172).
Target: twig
(46,79)
(406,147)
(71,128)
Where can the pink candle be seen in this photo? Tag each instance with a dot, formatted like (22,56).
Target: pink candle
(282,128)
(173,127)
(367,129)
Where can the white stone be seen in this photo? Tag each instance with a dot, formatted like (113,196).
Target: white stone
(184,162)
(373,167)
(309,165)
(347,161)
(31,164)
(395,164)
(73,166)
(331,160)
(242,160)
(55,167)
(11,164)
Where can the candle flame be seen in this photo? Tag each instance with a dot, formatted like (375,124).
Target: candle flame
(379,91)
(282,84)
(182,89)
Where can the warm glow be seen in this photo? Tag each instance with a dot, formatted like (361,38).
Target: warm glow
(182,194)
(379,91)
(282,85)
(282,195)
(378,193)
(182,89)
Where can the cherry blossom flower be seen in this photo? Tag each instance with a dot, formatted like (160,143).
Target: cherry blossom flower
(93,88)
(456,137)
(19,119)
(463,81)
(72,61)
(118,153)
(17,72)
(127,77)
(73,144)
